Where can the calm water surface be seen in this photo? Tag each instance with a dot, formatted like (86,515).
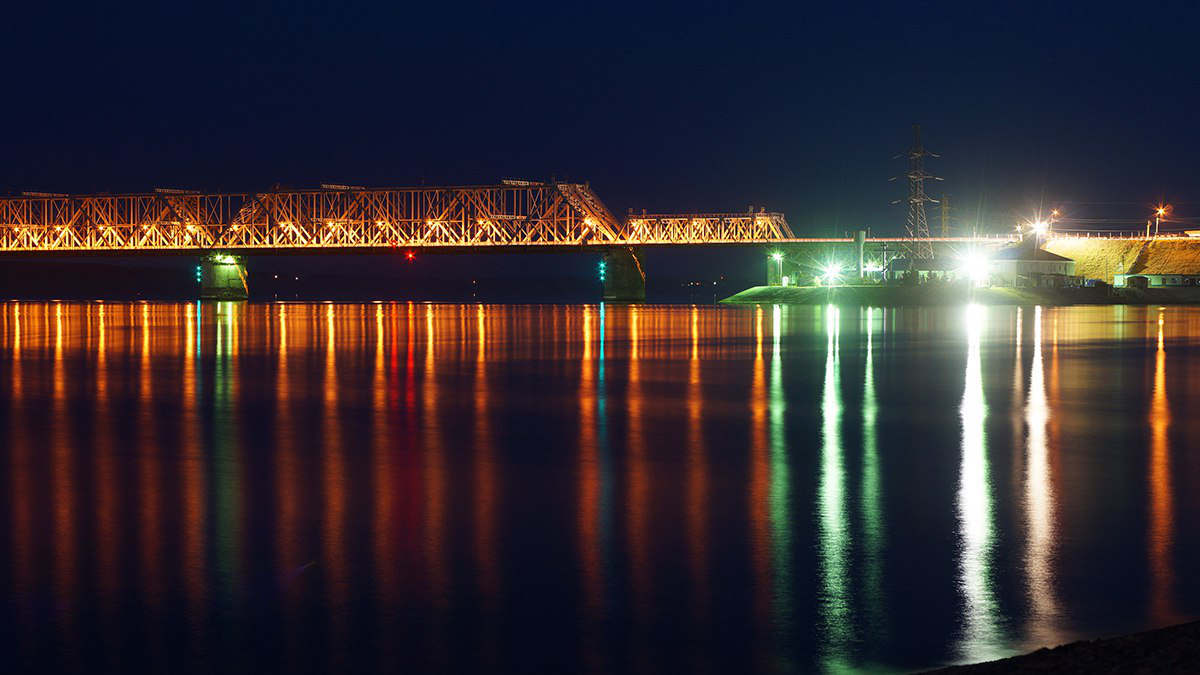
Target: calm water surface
(406,487)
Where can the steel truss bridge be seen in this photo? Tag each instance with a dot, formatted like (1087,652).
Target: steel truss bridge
(221,228)
(513,215)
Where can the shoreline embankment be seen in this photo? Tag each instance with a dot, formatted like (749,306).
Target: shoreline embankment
(953,294)
(1165,651)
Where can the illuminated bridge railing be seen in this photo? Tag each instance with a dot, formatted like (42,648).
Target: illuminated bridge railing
(513,214)
(712,228)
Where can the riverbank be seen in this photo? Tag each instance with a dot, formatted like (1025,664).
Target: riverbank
(1165,651)
(888,296)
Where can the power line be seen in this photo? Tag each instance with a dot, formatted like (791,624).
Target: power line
(945,215)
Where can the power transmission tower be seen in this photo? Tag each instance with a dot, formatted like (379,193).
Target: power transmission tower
(945,215)
(918,226)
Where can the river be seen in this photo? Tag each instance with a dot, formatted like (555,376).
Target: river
(246,487)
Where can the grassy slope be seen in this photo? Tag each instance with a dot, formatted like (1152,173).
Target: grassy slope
(1101,258)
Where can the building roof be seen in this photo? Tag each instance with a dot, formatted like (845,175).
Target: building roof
(1028,252)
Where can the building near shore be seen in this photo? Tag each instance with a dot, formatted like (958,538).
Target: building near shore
(927,270)
(938,270)
(1028,266)
(1144,280)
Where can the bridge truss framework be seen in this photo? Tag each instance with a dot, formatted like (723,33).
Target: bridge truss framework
(515,214)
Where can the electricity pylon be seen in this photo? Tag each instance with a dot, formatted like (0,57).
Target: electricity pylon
(918,226)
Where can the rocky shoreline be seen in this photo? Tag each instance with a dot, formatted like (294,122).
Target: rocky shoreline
(1165,651)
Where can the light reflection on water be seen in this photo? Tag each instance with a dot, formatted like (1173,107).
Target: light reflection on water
(871,499)
(1039,505)
(365,487)
(783,609)
(1161,519)
(980,638)
(833,531)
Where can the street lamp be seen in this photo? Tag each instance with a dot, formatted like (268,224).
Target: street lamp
(778,258)
(1161,212)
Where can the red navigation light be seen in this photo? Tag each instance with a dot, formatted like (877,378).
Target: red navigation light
(410,255)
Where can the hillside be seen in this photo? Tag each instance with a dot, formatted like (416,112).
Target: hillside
(1101,258)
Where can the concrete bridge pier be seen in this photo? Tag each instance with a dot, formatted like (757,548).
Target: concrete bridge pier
(624,274)
(222,277)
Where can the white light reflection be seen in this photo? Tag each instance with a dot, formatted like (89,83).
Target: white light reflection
(980,639)
(872,493)
(1039,507)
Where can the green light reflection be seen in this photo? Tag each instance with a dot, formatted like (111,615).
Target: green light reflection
(872,494)
(781,535)
(833,540)
(226,503)
(606,471)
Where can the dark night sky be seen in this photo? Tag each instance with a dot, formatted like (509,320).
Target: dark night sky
(664,106)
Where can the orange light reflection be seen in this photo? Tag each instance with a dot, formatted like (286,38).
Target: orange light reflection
(1162,574)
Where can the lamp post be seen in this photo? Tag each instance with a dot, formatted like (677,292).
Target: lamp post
(778,258)
(1161,212)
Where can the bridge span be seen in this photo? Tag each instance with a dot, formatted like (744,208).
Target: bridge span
(513,214)
(221,228)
